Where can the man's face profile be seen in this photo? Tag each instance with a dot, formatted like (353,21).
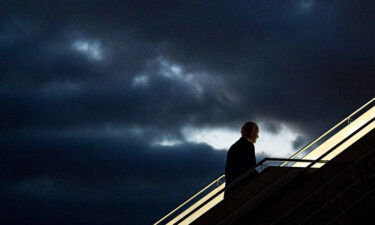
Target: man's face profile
(250,130)
(254,134)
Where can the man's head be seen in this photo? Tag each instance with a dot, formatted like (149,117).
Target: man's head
(250,130)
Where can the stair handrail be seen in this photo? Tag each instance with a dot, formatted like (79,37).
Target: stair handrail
(330,130)
(191,198)
(235,182)
(338,144)
(241,177)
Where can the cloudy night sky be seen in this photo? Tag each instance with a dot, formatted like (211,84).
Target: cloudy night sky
(115,112)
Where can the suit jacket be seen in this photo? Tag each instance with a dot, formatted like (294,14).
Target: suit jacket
(240,158)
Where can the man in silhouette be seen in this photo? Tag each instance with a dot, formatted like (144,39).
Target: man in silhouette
(241,156)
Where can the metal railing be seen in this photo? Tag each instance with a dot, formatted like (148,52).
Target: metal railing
(194,196)
(347,119)
(261,164)
(240,178)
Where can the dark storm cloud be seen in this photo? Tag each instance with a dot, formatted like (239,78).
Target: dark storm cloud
(48,83)
(272,127)
(130,172)
(108,67)
(101,159)
(299,142)
(284,61)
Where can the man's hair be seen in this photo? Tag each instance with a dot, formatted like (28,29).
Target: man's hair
(247,128)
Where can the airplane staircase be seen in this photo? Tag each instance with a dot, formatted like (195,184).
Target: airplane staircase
(329,181)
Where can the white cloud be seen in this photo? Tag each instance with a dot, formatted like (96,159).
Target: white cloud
(218,138)
(92,49)
(276,145)
(273,145)
(167,142)
(176,72)
(199,82)
(141,80)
